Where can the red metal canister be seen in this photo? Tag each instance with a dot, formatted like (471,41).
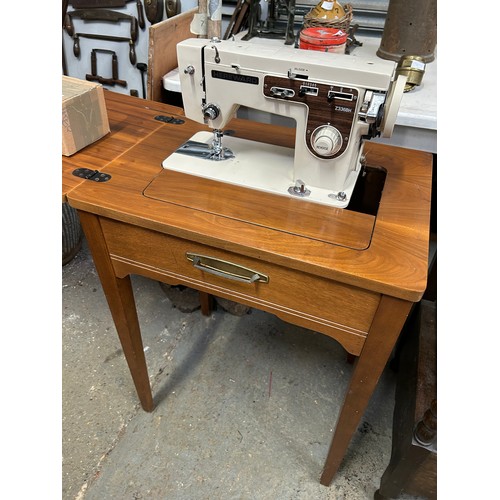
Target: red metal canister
(323,39)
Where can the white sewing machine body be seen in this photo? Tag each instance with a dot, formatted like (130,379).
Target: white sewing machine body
(336,101)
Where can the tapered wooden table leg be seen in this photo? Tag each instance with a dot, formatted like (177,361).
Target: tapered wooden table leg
(384,331)
(120,297)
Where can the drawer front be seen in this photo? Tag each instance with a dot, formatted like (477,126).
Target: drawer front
(300,292)
(261,284)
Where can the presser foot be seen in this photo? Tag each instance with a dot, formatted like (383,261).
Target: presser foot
(205,151)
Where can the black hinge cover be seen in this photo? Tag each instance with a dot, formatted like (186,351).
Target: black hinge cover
(169,119)
(91,175)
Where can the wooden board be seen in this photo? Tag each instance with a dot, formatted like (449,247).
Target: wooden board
(162,54)
(281,213)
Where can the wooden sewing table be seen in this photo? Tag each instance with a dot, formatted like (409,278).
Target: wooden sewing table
(348,275)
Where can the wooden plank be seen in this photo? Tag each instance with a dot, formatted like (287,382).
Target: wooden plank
(162,54)
(318,222)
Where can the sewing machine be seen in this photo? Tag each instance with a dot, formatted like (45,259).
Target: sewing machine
(337,101)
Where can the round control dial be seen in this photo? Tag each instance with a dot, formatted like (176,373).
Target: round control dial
(326,140)
(211,111)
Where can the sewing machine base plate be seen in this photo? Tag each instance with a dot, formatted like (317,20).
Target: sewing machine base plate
(256,165)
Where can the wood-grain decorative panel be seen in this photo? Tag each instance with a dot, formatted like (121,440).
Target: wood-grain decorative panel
(325,106)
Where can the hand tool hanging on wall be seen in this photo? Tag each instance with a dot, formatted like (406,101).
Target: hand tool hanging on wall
(142,68)
(94,76)
(154,10)
(172,8)
(100,15)
(76,43)
(95,4)
(64,65)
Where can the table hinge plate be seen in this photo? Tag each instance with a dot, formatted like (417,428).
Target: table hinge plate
(169,119)
(91,175)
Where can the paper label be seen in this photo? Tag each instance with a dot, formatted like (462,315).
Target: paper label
(327,5)
(198,25)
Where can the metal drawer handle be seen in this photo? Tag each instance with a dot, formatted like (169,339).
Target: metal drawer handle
(226,269)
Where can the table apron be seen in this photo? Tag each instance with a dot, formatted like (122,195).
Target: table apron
(340,311)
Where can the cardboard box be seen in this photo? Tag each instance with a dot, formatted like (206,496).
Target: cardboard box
(84,115)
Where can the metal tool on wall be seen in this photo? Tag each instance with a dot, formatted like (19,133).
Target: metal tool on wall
(109,38)
(94,76)
(95,4)
(143,68)
(64,64)
(101,15)
(172,7)
(154,10)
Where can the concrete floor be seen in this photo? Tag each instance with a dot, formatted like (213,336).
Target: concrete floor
(245,404)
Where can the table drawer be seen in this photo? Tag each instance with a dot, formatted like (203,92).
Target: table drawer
(314,302)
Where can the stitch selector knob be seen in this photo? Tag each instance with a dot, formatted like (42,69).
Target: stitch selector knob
(326,140)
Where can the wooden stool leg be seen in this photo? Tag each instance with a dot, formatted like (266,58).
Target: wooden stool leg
(206,301)
(400,469)
(120,297)
(387,324)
